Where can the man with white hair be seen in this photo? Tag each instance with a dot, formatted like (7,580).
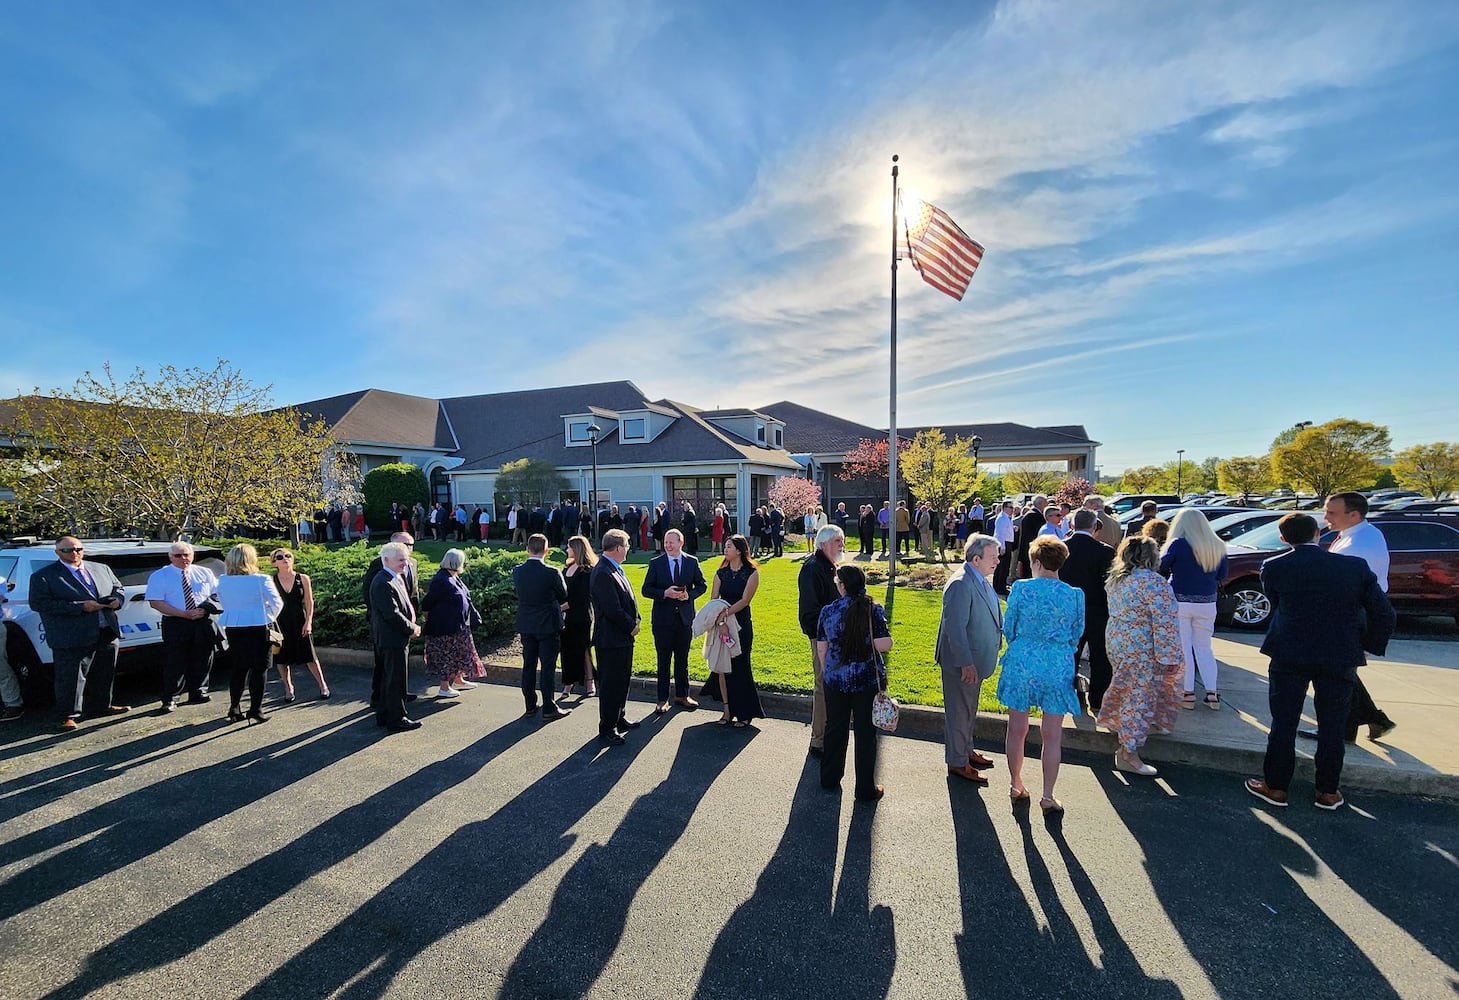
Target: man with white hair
(816,587)
(177,592)
(1107,530)
(392,624)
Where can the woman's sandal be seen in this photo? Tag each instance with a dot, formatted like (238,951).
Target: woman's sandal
(1019,796)
(742,723)
(1188,700)
(724,720)
(1213,701)
(1051,807)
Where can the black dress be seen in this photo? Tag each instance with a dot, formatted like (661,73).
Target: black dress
(744,700)
(298,648)
(577,627)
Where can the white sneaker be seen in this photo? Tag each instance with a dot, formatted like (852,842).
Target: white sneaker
(465,686)
(448,693)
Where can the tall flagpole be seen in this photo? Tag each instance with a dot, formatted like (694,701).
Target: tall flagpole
(892,418)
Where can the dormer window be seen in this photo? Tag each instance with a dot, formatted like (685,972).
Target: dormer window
(779,437)
(577,432)
(633,429)
(760,431)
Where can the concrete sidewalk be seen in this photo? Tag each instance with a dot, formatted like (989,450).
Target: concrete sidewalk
(1417,684)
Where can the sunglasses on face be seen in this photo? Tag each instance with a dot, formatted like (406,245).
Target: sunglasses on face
(282,557)
(71,548)
(180,555)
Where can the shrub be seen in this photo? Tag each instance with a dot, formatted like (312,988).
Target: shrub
(397,482)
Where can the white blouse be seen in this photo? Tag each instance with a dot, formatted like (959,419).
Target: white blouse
(248,600)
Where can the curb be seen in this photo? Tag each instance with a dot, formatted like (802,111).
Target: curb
(922,722)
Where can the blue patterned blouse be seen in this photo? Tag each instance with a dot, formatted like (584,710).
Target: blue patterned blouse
(856,677)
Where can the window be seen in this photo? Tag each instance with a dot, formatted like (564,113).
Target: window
(1417,536)
(577,432)
(633,429)
(759,432)
(779,437)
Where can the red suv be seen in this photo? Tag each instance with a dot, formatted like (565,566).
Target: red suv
(1423,567)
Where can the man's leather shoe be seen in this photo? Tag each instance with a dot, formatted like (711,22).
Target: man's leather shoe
(872,795)
(626,725)
(198,699)
(68,724)
(529,712)
(1329,800)
(169,706)
(404,726)
(968,774)
(411,697)
(560,713)
(817,752)
(612,739)
(1271,796)
(688,703)
(1378,730)
(977,760)
(114,710)
(1311,734)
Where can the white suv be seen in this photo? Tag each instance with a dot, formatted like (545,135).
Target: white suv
(132,560)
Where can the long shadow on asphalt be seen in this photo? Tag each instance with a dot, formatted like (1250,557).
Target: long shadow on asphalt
(1226,882)
(794,937)
(140,823)
(210,913)
(361,956)
(610,875)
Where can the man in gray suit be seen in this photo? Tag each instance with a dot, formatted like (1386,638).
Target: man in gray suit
(78,603)
(969,636)
(392,626)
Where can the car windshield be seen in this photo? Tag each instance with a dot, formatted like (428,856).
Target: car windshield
(133,568)
(1266,538)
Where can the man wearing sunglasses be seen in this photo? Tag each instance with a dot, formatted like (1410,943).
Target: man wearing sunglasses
(178,592)
(78,602)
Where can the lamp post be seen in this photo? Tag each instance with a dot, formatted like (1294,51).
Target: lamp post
(1179,467)
(593,431)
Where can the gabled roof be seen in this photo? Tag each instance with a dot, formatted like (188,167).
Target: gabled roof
(378,415)
(1006,435)
(814,432)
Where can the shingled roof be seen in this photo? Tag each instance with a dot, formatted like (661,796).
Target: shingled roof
(381,416)
(813,432)
(1008,435)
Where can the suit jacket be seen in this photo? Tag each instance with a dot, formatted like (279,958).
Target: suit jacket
(658,579)
(970,631)
(412,582)
(1028,529)
(1326,609)
(615,611)
(1086,568)
(392,618)
(541,592)
(55,594)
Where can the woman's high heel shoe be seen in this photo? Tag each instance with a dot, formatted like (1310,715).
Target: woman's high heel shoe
(234,715)
(256,715)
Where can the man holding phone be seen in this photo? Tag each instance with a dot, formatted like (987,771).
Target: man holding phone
(78,603)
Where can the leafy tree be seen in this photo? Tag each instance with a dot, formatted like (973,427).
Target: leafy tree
(1430,468)
(1210,479)
(1073,492)
(1385,480)
(1338,455)
(1033,477)
(794,495)
(940,472)
(529,481)
(1249,474)
(1142,479)
(394,482)
(193,450)
(992,490)
(867,460)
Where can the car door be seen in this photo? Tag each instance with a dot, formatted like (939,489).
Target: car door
(1423,563)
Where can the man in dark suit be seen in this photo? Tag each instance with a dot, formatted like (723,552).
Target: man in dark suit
(777,529)
(78,601)
(615,624)
(1327,610)
(866,528)
(570,516)
(1086,568)
(1028,530)
(541,598)
(392,625)
(412,588)
(631,522)
(673,582)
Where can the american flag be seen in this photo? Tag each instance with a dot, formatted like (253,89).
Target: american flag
(942,253)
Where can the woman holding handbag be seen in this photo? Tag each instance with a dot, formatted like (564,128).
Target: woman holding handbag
(851,637)
(250,605)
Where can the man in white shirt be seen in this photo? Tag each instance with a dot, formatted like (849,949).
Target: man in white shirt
(1005,531)
(177,592)
(1356,536)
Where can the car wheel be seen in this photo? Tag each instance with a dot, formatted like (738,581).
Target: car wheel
(1250,606)
(37,679)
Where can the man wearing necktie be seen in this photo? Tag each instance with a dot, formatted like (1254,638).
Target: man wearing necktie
(78,603)
(615,624)
(177,592)
(393,623)
(673,582)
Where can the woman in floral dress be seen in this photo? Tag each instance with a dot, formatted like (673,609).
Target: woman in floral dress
(1143,639)
(1043,623)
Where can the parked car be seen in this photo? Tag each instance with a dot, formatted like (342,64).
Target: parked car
(1168,510)
(132,560)
(1423,568)
(1231,526)
(1122,502)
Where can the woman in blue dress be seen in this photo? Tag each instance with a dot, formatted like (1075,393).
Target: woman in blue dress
(1044,620)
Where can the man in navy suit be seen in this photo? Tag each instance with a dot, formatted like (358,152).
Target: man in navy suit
(674,582)
(1086,568)
(615,624)
(1326,611)
(541,598)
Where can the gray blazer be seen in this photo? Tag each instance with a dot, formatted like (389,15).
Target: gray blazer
(970,631)
(56,595)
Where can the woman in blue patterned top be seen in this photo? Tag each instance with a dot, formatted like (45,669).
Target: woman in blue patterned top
(850,634)
(1043,623)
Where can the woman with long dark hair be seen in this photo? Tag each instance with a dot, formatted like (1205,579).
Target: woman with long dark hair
(851,637)
(577,627)
(736,581)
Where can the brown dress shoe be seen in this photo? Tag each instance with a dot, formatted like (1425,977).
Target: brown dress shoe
(1271,796)
(686,702)
(1329,801)
(977,760)
(968,774)
(68,724)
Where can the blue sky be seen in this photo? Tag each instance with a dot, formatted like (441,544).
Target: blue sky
(1204,222)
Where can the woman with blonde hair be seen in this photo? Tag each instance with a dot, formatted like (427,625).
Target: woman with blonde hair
(296,622)
(1195,560)
(250,603)
(577,625)
(1141,640)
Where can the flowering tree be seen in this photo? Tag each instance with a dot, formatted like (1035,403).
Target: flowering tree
(794,495)
(868,460)
(1073,492)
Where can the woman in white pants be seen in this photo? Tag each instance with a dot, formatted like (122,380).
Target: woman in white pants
(1195,560)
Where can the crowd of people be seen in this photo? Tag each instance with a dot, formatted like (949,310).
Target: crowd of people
(1142,606)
